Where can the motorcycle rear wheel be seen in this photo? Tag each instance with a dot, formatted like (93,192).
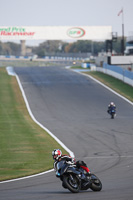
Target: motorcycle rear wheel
(72,183)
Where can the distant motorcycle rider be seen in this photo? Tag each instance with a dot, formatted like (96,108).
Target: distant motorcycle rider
(57,156)
(111,106)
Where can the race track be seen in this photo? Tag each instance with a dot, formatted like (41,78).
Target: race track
(74,108)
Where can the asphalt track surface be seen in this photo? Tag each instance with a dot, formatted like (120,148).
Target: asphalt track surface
(74,108)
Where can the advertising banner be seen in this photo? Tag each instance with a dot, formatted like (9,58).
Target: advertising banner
(55,32)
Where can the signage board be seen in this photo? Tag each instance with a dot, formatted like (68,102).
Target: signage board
(55,32)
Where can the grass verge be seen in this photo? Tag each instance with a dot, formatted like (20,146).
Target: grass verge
(115,84)
(25,148)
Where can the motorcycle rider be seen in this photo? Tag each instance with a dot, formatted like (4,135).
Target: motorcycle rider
(110,106)
(57,156)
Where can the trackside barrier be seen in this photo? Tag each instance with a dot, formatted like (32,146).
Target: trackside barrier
(90,66)
(85,65)
(45,57)
(117,72)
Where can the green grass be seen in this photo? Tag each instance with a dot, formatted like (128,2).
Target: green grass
(76,67)
(25,148)
(117,85)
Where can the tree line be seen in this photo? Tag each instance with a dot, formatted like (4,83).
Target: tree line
(10,48)
(56,46)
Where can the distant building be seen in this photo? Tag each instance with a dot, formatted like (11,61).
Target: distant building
(129,45)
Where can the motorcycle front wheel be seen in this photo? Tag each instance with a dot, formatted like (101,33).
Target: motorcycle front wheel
(96,184)
(71,182)
(112,116)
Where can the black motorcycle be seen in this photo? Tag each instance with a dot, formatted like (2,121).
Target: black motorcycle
(76,179)
(112,112)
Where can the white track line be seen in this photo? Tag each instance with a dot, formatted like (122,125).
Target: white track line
(107,87)
(11,72)
(32,116)
(26,177)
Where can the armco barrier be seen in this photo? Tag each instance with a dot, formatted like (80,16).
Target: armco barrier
(117,72)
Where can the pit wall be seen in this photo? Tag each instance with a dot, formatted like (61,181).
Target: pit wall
(118,72)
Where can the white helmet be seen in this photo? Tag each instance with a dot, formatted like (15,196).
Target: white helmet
(112,103)
(56,153)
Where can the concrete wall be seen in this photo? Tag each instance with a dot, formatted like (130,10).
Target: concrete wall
(125,62)
(100,60)
(121,60)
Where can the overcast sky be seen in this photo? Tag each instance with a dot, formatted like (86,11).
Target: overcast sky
(67,13)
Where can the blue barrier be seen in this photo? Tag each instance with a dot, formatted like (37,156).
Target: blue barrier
(86,65)
(7,56)
(118,70)
(113,68)
(128,74)
(26,57)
